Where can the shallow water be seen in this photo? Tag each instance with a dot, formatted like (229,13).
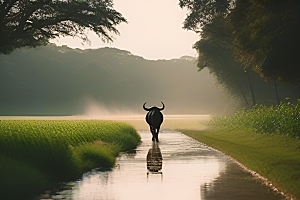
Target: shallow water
(189,170)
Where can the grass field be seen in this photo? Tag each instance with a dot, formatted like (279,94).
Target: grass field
(265,140)
(34,154)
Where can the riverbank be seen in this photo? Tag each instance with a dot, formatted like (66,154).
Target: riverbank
(35,154)
(206,173)
(275,157)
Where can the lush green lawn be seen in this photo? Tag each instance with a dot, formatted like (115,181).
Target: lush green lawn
(36,154)
(275,157)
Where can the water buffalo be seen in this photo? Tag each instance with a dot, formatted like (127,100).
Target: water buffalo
(154,118)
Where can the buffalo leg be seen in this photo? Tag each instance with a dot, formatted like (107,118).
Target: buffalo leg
(153,133)
(156,134)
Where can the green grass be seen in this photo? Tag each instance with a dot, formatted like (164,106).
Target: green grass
(265,140)
(36,154)
(283,119)
(275,157)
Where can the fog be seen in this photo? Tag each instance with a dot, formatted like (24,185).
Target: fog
(101,83)
(97,110)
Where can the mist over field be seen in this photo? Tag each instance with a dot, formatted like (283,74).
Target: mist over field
(56,80)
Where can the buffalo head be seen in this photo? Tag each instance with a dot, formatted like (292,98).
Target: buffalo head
(154,118)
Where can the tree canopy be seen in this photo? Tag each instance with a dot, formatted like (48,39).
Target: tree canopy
(266,33)
(31,23)
(262,36)
(203,12)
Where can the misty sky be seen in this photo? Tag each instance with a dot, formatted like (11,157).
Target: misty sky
(154,30)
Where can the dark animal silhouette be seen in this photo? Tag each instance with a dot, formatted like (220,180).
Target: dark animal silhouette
(154,118)
(154,159)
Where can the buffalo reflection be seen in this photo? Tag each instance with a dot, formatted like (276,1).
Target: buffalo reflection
(154,160)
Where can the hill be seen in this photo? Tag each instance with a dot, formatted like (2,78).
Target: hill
(55,80)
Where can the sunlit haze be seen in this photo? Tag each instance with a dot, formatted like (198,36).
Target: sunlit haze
(154,31)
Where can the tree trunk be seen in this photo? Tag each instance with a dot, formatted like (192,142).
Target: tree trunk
(245,98)
(252,93)
(276,92)
(298,91)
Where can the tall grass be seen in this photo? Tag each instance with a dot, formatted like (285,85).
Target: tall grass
(37,153)
(283,119)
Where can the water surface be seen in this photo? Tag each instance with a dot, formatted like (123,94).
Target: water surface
(189,170)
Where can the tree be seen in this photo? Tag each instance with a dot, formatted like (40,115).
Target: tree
(31,23)
(204,12)
(217,57)
(266,34)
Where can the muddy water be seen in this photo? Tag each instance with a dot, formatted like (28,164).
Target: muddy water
(177,168)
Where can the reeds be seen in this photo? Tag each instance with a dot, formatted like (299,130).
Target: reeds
(283,119)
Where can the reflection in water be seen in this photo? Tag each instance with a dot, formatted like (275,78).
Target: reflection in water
(191,171)
(154,159)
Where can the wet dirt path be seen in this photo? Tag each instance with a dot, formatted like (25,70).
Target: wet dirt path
(189,170)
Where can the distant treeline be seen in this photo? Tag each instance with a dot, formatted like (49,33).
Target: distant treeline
(54,80)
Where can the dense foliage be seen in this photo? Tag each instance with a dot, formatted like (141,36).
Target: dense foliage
(34,154)
(266,37)
(203,12)
(32,23)
(283,119)
(256,35)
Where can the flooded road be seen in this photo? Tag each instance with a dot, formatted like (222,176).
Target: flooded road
(179,167)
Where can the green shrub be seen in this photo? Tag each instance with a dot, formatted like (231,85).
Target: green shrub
(18,179)
(94,155)
(281,119)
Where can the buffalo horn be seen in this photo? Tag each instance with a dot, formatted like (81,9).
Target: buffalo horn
(147,109)
(162,107)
